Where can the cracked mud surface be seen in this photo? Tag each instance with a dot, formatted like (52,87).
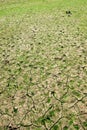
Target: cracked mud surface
(43,71)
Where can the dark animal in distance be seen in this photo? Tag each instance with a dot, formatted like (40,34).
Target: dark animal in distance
(69,13)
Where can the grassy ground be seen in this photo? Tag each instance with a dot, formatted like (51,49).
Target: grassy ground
(43,65)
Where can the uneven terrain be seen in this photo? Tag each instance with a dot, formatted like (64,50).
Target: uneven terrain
(43,64)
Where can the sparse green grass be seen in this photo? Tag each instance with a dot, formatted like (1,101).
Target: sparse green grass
(43,65)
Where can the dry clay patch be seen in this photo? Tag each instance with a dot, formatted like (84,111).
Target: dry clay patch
(43,73)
